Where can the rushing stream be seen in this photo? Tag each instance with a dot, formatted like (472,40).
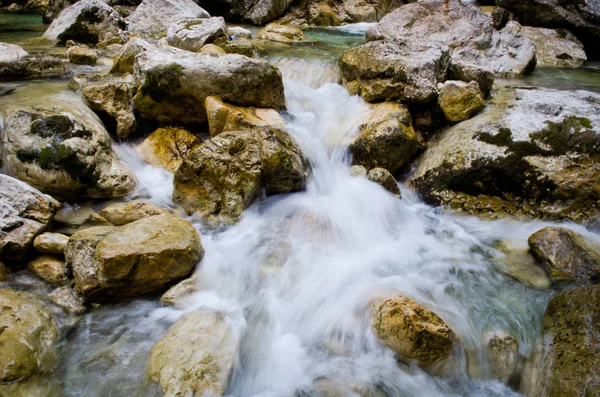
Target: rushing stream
(297,275)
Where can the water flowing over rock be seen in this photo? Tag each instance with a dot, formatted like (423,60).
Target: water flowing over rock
(120,214)
(153,17)
(28,336)
(223,117)
(385,179)
(167,147)
(531,152)
(193,34)
(386,139)
(282,33)
(86,21)
(251,11)
(411,330)
(25,213)
(460,100)
(64,151)
(125,59)
(506,363)
(50,243)
(224,176)
(177,294)
(582,17)
(174,84)
(139,258)
(196,356)
(558,48)
(565,254)
(113,103)
(571,335)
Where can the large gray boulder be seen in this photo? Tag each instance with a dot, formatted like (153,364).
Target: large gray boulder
(531,152)
(141,257)
(556,47)
(224,176)
(193,34)
(24,213)
(174,84)
(582,17)
(251,11)
(153,17)
(11,53)
(87,22)
(65,151)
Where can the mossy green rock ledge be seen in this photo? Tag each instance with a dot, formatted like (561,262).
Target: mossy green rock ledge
(145,256)
(571,329)
(530,153)
(64,151)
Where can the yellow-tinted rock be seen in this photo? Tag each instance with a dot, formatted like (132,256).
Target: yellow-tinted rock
(223,117)
(50,243)
(179,292)
(211,49)
(411,330)
(123,213)
(27,338)
(82,56)
(384,178)
(460,100)
(49,268)
(282,33)
(167,147)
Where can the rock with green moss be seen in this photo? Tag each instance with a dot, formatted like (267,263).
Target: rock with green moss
(386,139)
(566,255)
(152,18)
(224,176)
(460,100)
(113,102)
(28,338)
(86,22)
(174,84)
(64,151)
(193,34)
(139,258)
(531,153)
(407,72)
(571,341)
(205,365)
(411,330)
(24,213)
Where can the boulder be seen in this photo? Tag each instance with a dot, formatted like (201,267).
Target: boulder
(139,258)
(120,214)
(64,151)
(517,262)
(581,17)
(224,176)
(212,49)
(223,117)
(67,299)
(460,100)
(565,254)
(49,269)
(11,53)
(82,55)
(174,84)
(407,72)
(556,47)
(50,243)
(505,361)
(530,153)
(193,34)
(238,46)
(411,330)
(167,147)
(571,335)
(196,356)
(239,33)
(153,17)
(30,67)
(24,213)
(386,139)
(282,33)
(86,22)
(28,336)
(254,12)
(113,103)
(178,293)
(384,178)
(125,59)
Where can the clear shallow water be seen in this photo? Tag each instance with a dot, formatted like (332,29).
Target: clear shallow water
(298,273)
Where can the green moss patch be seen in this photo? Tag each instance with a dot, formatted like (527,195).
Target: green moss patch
(163,82)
